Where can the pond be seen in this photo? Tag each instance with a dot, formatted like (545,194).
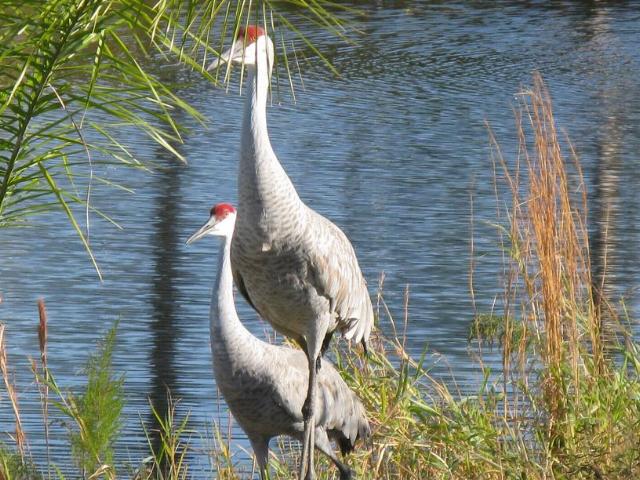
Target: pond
(391,151)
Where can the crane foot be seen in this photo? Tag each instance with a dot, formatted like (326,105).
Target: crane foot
(345,475)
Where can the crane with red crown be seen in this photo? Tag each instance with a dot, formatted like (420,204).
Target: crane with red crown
(295,267)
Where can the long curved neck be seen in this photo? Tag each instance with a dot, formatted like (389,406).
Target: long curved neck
(263,185)
(227,331)
(255,136)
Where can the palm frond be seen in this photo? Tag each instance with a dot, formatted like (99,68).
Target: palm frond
(75,75)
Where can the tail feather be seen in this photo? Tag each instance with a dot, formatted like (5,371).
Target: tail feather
(347,440)
(343,416)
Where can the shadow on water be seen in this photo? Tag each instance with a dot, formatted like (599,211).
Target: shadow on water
(165,327)
(605,197)
(605,203)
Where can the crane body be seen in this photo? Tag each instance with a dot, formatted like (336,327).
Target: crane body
(295,267)
(265,385)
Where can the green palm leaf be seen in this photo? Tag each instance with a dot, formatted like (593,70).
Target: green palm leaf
(72,79)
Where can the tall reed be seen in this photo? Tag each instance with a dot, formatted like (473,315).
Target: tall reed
(550,298)
(19,436)
(44,386)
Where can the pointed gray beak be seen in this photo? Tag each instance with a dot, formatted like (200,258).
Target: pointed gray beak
(206,228)
(228,55)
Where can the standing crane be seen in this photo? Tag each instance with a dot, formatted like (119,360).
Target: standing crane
(264,384)
(295,267)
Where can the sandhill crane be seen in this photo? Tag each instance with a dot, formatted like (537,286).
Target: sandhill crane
(295,267)
(263,384)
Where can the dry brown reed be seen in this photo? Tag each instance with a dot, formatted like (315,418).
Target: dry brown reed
(19,436)
(44,385)
(548,285)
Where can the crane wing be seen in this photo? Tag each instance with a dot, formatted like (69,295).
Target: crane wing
(290,389)
(336,275)
(237,279)
(339,411)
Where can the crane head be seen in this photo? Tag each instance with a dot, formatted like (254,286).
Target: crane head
(252,47)
(221,221)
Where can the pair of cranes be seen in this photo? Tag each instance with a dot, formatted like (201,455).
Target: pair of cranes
(300,273)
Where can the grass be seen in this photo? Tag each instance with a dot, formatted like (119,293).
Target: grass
(565,405)
(96,410)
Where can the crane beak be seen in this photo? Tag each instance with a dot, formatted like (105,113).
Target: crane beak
(208,227)
(233,53)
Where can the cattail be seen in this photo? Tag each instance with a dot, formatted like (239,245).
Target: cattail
(44,388)
(42,332)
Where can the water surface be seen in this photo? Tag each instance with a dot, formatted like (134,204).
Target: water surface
(391,152)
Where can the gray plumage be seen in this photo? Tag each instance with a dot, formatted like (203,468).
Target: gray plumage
(295,267)
(265,385)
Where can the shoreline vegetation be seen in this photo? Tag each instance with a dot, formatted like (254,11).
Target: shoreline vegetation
(565,405)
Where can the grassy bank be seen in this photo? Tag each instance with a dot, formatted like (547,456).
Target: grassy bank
(566,404)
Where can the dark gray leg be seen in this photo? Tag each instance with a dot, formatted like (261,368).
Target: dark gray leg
(261,451)
(308,414)
(324,445)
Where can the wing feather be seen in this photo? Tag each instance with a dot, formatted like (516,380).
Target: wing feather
(237,278)
(339,410)
(336,275)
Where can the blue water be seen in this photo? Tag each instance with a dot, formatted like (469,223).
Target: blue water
(391,151)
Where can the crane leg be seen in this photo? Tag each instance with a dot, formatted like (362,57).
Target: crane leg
(309,408)
(324,445)
(261,451)
(308,414)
